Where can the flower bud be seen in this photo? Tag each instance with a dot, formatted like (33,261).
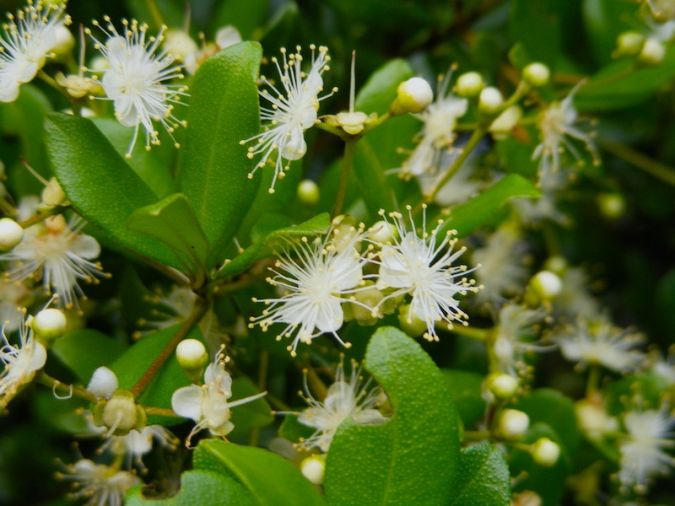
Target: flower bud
(469,84)
(227,36)
(512,424)
(52,194)
(629,44)
(120,414)
(191,354)
(612,205)
(99,64)
(313,468)
(526,498)
(65,42)
(49,324)
(370,298)
(556,264)
(103,383)
(410,323)
(490,100)
(11,234)
(381,232)
(537,74)
(179,44)
(546,284)
(506,121)
(79,86)
(653,52)
(308,192)
(503,386)
(592,418)
(413,95)
(545,452)
(352,122)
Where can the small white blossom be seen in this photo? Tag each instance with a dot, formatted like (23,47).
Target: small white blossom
(98,484)
(294,105)
(502,271)
(559,130)
(459,188)
(438,131)
(137,79)
(208,404)
(575,300)
(28,40)
(20,362)
(345,399)
(598,342)
(14,296)
(59,254)
(422,265)
(317,277)
(137,443)
(644,452)
(663,367)
(511,344)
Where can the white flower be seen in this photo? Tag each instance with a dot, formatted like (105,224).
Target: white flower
(459,188)
(28,39)
(643,453)
(664,367)
(98,484)
(511,344)
(137,443)
(599,342)
(345,399)
(558,128)
(294,106)
(317,278)
(438,131)
(422,267)
(208,405)
(502,271)
(20,362)
(60,254)
(137,79)
(575,300)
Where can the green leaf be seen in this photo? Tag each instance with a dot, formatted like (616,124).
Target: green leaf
(467,217)
(198,488)
(412,458)
(173,222)
(146,164)
(620,84)
(293,430)
(270,479)
(133,363)
(536,25)
(223,111)
(83,350)
(376,152)
(265,246)
(551,407)
(249,416)
(100,185)
(246,16)
(465,390)
(482,478)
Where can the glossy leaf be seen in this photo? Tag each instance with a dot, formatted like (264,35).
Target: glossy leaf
(482,478)
(536,25)
(269,478)
(173,222)
(198,488)
(412,458)
(223,111)
(465,390)
(265,246)
(83,350)
(249,416)
(245,16)
(100,185)
(467,217)
(146,164)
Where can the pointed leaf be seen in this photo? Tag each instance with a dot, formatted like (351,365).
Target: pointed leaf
(483,477)
(223,111)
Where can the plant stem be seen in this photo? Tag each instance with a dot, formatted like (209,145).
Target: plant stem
(472,332)
(471,144)
(345,169)
(593,380)
(151,410)
(41,216)
(198,312)
(76,390)
(639,160)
